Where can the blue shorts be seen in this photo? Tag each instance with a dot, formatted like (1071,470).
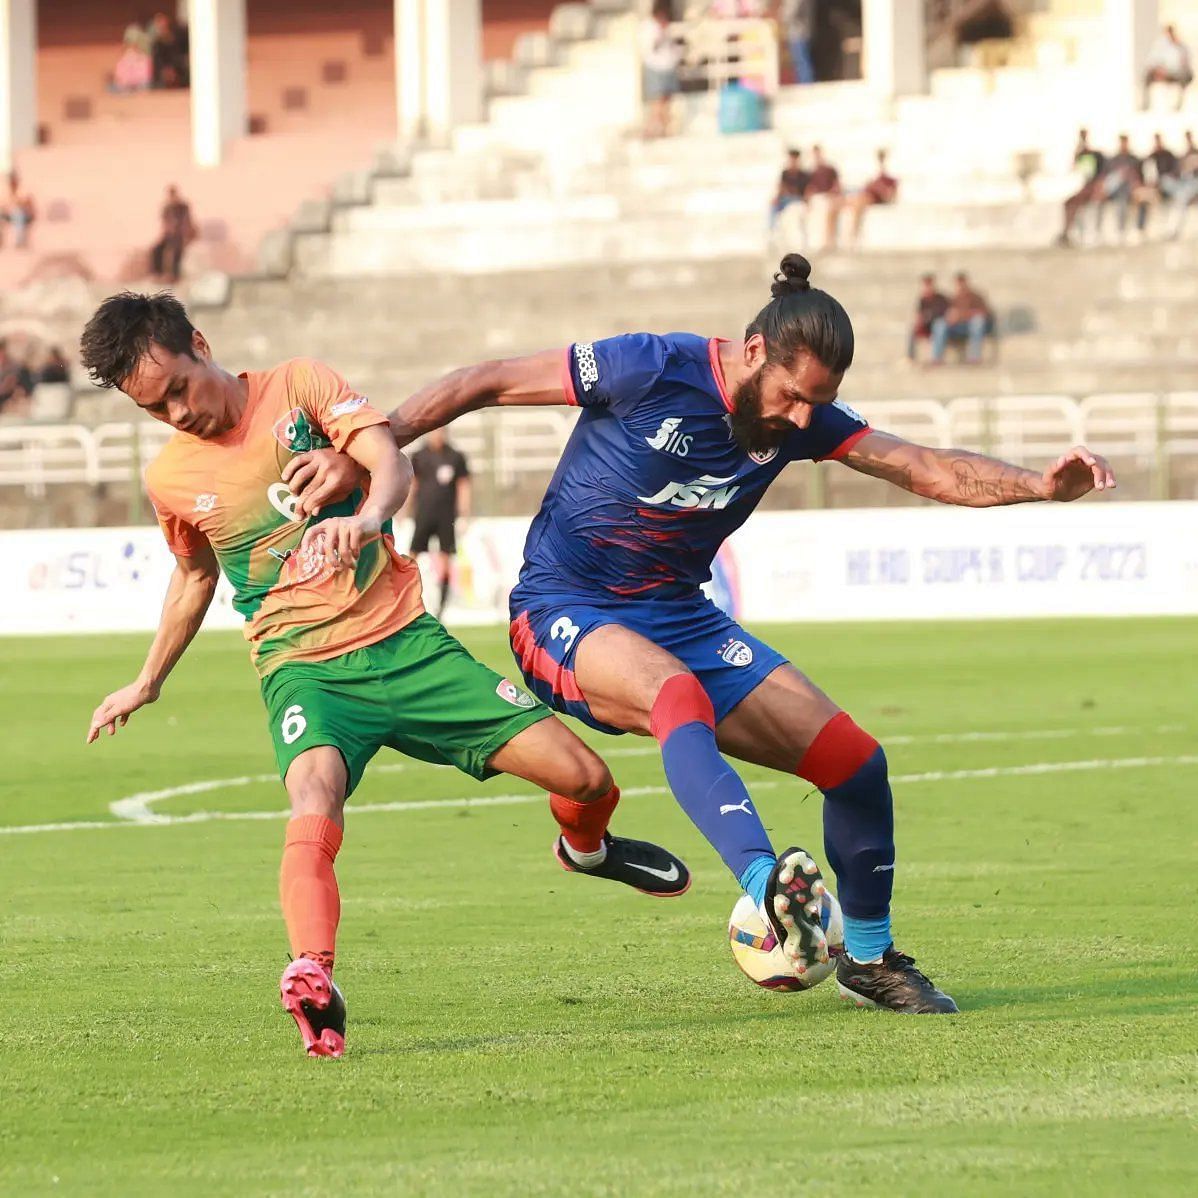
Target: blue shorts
(727,660)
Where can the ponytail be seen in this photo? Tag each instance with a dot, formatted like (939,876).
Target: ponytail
(801,317)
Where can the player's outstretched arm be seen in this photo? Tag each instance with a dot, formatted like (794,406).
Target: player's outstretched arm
(323,476)
(532,380)
(341,538)
(973,480)
(192,585)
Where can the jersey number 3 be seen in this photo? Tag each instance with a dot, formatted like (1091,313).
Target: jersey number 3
(564,630)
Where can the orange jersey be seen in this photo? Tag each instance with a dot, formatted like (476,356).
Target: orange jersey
(228,492)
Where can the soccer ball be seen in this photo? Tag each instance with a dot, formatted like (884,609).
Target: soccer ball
(755,948)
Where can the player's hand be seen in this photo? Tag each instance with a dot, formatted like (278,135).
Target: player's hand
(1077,473)
(116,709)
(320,477)
(340,539)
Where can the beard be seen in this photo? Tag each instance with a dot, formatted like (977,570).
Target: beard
(748,427)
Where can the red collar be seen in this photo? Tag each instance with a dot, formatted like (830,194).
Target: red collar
(717,369)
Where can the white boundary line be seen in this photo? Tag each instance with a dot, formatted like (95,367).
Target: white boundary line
(198,817)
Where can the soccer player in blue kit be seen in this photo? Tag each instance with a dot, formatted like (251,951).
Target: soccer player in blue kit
(678,438)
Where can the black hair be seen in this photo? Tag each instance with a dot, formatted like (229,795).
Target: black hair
(801,317)
(123,328)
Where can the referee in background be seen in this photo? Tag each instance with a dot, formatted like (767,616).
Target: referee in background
(440,494)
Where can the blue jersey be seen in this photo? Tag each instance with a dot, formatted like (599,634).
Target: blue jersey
(652,482)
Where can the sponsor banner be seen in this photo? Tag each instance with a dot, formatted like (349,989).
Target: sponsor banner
(1088,558)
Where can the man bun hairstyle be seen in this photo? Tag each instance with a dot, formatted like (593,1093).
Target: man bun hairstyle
(801,317)
(122,330)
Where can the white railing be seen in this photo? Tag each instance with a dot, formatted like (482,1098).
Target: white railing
(1140,428)
(715,50)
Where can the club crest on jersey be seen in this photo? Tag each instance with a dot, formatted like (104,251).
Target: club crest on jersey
(736,653)
(512,694)
(706,492)
(297,433)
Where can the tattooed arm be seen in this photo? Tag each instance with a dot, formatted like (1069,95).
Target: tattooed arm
(972,479)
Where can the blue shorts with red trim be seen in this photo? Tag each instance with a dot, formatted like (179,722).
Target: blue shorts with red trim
(727,660)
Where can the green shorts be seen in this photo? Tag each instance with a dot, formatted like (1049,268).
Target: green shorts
(418,691)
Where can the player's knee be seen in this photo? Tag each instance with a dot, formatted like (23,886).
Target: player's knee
(587,778)
(680,699)
(842,751)
(316,783)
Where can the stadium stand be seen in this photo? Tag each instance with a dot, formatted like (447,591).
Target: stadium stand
(548,222)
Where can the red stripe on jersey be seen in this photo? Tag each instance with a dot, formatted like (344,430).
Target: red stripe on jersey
(536,661)
(843,448)
(839,750)
(568,378)
(717,370)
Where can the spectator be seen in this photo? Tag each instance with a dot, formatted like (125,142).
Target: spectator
(797,18)
(169,52)
(134,70)
(931,305)
(661,56)
(52,397)
(178,232)
(881,189)
(824,189)
(1159,172)
(1182,189)
(1119,181)
(968,319)
(19,211)
(1091,164)
(1169,62)
(140,33)
(440,495)
(55,368)
(16,384)
(792,185)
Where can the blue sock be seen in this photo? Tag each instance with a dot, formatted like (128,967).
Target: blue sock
(754,878)
(859,842)
(867,939)
(705,785)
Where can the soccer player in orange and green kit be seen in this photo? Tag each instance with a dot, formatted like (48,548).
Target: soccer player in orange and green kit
(348,658)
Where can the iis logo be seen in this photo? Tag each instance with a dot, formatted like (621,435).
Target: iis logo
(297,433)
(736,653)
(670,439)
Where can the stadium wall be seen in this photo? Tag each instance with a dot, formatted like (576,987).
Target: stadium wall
(1087,559)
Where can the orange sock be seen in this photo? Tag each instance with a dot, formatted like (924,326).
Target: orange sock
(583,824)
(308,888)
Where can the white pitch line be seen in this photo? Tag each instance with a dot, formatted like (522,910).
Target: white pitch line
(199,817)
(136,808)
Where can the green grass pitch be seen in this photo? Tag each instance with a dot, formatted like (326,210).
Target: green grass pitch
(518,1031)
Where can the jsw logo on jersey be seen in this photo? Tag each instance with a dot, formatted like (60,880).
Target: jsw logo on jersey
(706,492)
(670,439)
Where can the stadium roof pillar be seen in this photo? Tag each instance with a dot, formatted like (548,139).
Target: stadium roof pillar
(452,65)
(218,108)
(18,78)
(409,68)
(893,50)
(1131,28)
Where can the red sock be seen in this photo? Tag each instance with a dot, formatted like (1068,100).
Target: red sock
(308,888)
(583,824)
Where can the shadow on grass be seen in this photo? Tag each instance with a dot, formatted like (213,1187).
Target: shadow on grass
(1141,994)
